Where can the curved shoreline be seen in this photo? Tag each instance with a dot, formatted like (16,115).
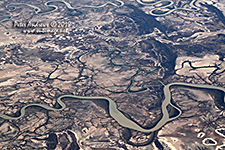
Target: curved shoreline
(118,115)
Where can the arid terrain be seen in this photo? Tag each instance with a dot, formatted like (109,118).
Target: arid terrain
(125,50)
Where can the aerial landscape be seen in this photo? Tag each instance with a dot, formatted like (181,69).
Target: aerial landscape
(112,75)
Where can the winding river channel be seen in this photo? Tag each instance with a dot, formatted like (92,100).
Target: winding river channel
(117,114)
(170,4)
(37,10)
(52,8)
